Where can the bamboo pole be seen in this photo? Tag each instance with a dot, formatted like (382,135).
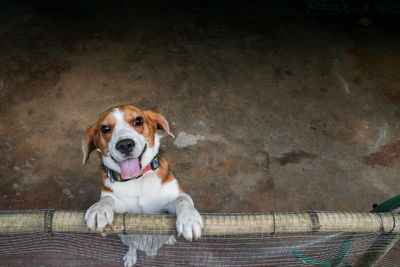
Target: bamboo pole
(214,224)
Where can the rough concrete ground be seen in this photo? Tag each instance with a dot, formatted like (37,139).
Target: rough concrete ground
(273,110)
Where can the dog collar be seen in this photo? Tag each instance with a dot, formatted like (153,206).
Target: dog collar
(115,176)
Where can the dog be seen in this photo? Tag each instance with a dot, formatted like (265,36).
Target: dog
(136,179)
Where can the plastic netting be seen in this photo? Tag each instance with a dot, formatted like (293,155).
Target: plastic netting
(227,240)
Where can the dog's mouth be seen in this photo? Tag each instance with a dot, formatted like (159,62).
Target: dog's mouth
(131,167)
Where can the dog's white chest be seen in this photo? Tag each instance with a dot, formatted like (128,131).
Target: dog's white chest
(144,195)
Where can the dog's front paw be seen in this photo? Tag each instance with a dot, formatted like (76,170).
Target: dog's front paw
(171,240)
(130,257)
(98,216)
(189,223)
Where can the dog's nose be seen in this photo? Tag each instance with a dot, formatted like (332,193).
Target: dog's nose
(125,146)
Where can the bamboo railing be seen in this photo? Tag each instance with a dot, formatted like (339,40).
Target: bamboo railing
(214,224)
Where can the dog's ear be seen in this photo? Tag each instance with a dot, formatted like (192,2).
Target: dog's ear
(162,123)
(88,143)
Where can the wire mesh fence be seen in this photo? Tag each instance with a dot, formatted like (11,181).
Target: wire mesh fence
(60,238)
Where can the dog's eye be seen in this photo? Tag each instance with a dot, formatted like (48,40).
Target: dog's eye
(105,129)
(138,121)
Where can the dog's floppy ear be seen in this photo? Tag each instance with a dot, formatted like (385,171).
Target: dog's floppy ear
(162,123)
(87,143)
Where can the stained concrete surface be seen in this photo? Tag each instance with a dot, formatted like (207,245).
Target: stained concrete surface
(273,110)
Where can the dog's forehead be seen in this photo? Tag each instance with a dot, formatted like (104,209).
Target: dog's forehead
(129,111)
(118,113)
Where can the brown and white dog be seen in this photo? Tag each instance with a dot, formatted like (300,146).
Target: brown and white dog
(135,178)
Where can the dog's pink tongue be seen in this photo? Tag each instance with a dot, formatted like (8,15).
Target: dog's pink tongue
(129,168)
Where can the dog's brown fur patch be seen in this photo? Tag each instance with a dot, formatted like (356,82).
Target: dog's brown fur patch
(104,177)
(164,172)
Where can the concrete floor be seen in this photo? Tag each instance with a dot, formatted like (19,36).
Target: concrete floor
(273,110)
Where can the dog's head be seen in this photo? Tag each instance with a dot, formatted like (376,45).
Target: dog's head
(126,138)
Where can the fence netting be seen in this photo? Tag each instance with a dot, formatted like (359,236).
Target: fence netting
(40,238)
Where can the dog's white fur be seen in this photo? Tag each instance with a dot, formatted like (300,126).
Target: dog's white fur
(147,195)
